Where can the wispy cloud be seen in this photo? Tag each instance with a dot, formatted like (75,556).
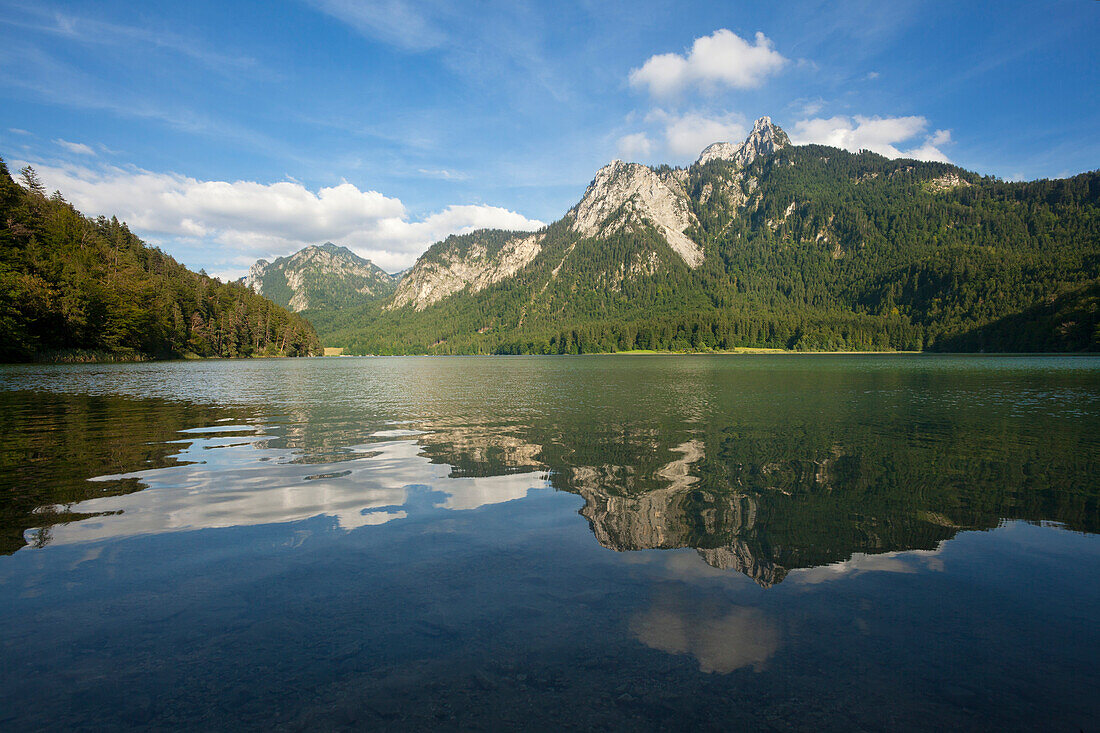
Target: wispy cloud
(443,174)
(393,21)
(635,145)
(25,66)
(97,32)
(680,137)
(78,148)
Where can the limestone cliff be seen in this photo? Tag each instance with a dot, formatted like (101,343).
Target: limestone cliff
(764,139)
(460,263)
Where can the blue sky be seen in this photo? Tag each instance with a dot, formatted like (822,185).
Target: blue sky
(227,131)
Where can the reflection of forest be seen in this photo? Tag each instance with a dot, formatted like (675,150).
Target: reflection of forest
(53,443)
(752,487)
(762,503)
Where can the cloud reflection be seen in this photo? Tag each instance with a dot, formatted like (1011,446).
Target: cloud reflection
(721,638)
(244,482)
(902,561)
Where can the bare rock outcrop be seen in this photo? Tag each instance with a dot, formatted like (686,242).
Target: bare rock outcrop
(764,139)
(626,194)
(451,271)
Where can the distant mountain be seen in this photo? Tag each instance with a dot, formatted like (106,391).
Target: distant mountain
(762,244)
(623,198)
(320,276)
(80,289)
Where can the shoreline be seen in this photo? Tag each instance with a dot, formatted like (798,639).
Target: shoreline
(743,352)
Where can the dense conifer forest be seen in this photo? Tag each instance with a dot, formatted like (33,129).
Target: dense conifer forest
(819,249)
(75,288)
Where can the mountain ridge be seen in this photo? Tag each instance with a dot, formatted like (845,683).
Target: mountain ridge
(319,276)
(760,244)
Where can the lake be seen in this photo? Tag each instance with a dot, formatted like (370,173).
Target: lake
(620,542)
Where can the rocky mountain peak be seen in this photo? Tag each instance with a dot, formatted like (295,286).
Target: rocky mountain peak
(254,278)
(764,139)
(319,275)
(623,194)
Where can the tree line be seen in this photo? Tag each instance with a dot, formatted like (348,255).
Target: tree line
(73,287)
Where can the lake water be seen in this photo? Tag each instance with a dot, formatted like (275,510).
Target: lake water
(624,542)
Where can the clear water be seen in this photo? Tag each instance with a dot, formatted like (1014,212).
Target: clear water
(623,542)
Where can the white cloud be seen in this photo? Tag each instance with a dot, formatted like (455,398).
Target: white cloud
(902,561)
(18,131)
(722,59)
(813,106)
(721,638)
(681,136)
(78,148)
(443,173)
(635,145)
(686,135)
(392,21)
(224,226)
(881,135)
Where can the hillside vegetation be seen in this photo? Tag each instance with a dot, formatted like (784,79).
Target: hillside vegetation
(809,248)
(78,288)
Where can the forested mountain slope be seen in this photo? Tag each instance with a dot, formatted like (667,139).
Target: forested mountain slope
(320,276)
(763,244)
(74,287)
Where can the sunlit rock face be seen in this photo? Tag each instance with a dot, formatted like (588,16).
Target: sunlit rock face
(764,139)
(623,198)
(947,182)
(740,557)
(623,195)
(446,270)
(678,515)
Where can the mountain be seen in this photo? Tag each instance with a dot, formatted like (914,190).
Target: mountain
(762,244)
(75,288)
(320,276)
(764,139)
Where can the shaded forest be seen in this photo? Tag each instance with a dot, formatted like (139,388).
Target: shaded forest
(76,288)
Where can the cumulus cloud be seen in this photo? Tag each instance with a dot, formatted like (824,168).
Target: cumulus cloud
(224,226)
(882,135)
(722,59)
(686,135)
(635,145)
(78,148)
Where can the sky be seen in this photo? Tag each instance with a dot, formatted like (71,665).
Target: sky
(227,131)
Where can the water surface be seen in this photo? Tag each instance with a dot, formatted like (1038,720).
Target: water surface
(808,542)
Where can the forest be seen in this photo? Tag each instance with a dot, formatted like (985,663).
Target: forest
(812,248)
(74,288)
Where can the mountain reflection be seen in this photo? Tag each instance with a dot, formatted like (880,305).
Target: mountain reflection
(759,476)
